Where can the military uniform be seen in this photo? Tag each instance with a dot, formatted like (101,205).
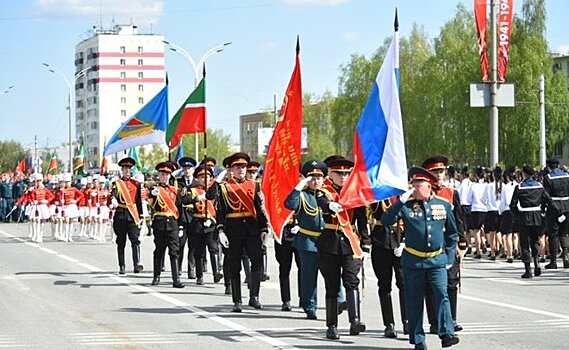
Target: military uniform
(7,194)
(286,253)
(126,219)
(556,184)
(17,192)
(186,217)
(430,247)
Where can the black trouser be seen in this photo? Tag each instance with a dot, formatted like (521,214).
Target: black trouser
(252,245)
(199,241)
(163,239)
(284,253)
(9,203)
(529,238)
(555,232)
(123,229)
(182,244)
(385,264)
(332,266)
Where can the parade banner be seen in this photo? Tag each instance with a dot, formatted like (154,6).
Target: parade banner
(380,163)
(147,126)
(21,167)
(190,118)
(282,163)
(505,14)
(480,19)
(52,168)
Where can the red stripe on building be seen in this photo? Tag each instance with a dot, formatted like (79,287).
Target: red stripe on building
(130,54)
(130,80)
(131,67)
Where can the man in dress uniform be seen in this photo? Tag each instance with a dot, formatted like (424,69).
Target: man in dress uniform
(252,174)
(187,181)
(556,183)
(18,191)
(303,200)
(437,165)
(166,201)
(340,249)
(242,224)
(125,197)
(528,202)
(386,252)
(7,194)
(430,248)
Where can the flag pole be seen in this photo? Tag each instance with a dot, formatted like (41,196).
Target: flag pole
(205,132)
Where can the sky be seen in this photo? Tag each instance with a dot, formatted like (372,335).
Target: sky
(242,79)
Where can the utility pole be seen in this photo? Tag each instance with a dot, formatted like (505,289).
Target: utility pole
(494,156)
(35,161)
(542,121)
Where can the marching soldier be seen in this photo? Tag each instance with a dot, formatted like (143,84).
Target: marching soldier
(386,252)
(337,246)
(187,181)
(430,249)
(252,174)
(166,201)
(556,183)
(303,200)
(437,165)
(240,215)
(125,197)
(528,202)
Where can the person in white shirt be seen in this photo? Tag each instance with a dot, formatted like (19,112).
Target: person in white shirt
(463,190)
(478,198)
(506,223)
(491,224)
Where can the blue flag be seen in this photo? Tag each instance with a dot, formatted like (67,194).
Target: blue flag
(145,127)
(180,152)
(134,155)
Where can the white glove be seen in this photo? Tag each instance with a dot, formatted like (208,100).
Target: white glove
(114,202)
(295,229)
(221,176)
(223,239)
(302,183)
(44,201)
(201,197)
(97,204)
(155,192)
(399,250)
(93,194)
(180,233)
(207,223)
(405,196)
(335,207)
(561,218)
(448,266)
(365,255)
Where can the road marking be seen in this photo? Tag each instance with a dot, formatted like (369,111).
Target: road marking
(277,343)
(515,307)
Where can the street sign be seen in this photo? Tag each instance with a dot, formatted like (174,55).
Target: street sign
(480,95)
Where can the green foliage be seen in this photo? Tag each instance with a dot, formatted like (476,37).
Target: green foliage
(317,118)
(218,145)
(11,152)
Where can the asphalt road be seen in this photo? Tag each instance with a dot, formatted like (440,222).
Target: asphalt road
(57,295)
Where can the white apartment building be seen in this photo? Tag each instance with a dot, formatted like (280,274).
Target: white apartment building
(117,71)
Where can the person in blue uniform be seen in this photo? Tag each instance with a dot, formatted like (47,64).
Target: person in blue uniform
(303,200)
(431,236)
(6,192)
(556,184)
(528,203)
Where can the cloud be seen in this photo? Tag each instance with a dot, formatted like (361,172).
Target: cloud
(314,2)
(123,11)
(564,49)
(268,47)
(350,37)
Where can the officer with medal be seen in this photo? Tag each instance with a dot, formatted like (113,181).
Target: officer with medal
(241,224)
(437,165)
(341,246)
(431,236)
(303,200)
(556,184)
(125,197)
(165,200)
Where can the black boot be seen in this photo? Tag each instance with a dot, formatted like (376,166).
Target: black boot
(431,311)
(387,315)
(175,276)
(157,268)
(247,270)
(136,259)
(332,318)
(354,315)
(265,276)
(284,283)
(120,254)
(537,269)
(527,274)
(565,256)
(255,286)
(217,276)
(453,299)
(191,264)
(403,312)
(236,293)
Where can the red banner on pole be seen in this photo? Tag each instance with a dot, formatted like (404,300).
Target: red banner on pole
(282,163)
(505,14)
(480,18)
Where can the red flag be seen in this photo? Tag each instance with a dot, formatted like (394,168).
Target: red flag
(21,168)
(505,14)
(282,163)
(480,18)
(104,167)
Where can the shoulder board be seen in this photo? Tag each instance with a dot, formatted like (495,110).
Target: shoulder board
(325,192)
(441,198)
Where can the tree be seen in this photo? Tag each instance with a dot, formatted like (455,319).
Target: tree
(317,118)
(11,152)
(218,145)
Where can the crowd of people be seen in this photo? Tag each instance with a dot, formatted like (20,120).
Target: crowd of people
(419,237)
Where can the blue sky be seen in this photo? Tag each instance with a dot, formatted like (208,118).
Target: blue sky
(242,79)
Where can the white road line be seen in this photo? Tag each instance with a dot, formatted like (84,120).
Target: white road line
(277,343)
(515,307)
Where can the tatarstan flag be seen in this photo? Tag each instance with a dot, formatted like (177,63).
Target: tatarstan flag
(52,168)
(190,118)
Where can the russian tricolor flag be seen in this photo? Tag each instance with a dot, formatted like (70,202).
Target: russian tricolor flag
(380,164)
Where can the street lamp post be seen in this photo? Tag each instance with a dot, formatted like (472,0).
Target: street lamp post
(196,67)
(69,91)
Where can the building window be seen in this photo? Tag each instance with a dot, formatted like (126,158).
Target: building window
(123,87)
(123,62)
(140,75)
(94,126)
(140,62)
(123,49)
(123,75)
(123,112)
(140,87)
(123,100)
(141,100)
(140,49)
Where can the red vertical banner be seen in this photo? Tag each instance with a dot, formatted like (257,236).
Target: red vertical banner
(505,15)
(282,164)
(480,18)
